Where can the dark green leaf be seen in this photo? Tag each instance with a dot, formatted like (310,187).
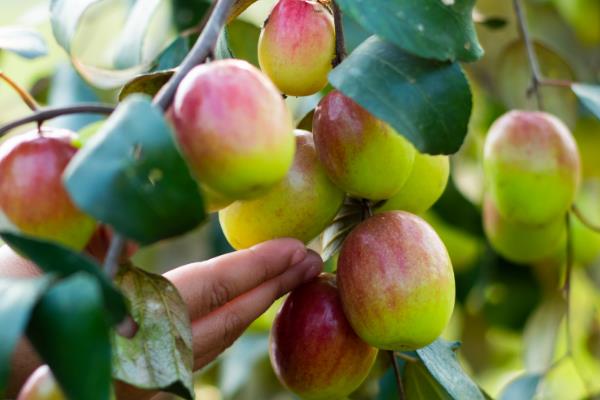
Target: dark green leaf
(148,84)
(65,16)
(53,258)
(493,22)
(334,235)
(69,330)
(589,96)
(521,388)
(440,360)
(222,49)
(130,175)
(427,101)
(420,385)
(173,55)
(438,29)
(541,332)
(160,355)
(454,208)
(17,299)
(188,13)
(21,41)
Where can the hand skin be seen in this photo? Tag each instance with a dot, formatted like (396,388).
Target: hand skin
(224,295)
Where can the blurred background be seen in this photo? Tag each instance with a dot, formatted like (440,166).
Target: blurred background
(508,317)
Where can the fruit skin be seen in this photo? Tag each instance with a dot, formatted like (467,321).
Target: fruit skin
(98,245)
(233,128)
(301,206)
(518,242)
(313,349)
(531,166)
(41,385)
(424,186)
(396,281)
(33,197)
(297,46)
(586,242)
(361,154)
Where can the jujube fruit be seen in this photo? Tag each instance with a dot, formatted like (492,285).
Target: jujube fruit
(33,197)
(233,128)
(300,206)
(313,349)
(361,154)
(531,167)
(297,46)
(425,185)
(41,385)
(396,281)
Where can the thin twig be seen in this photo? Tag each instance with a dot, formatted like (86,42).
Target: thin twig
(340,41)
(406,357)
(401,394)
(111,263)
(584,220)
(25,96)
(536,74)
(202,48)
(566,289)
(49,113)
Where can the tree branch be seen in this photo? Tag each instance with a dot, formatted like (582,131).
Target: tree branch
(340,41)
(49,113)
(25,96)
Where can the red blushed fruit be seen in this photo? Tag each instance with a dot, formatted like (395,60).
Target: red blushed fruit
(32,195)
(233,128)
(98,245)
(396,281)
(41,385)
(313,349)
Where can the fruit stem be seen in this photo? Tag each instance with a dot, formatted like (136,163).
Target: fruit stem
(201,50)
(401,394)
(111,264)
(49,113)
(340,42)
(584,220)
(25,96)
(367,209)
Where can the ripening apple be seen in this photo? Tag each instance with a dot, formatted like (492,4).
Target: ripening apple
(98,245)
(313,349)
(424,186)
(518,242)
(362,154)
(233,128)
(531,167)
(586,242)
(33,198)
(396,281)
(297,46)
(300,206)
(41,385)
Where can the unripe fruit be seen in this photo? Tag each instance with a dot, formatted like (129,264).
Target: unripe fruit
(297,46)
(233,128)
(396,281)
(41,385)
(313,349)
(32,195)
(424,186)
(532,167)
(300,206)
(518,242)
(362,154)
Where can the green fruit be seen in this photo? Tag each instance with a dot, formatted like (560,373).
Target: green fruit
(424,186)
(521,243)
(41,385)
(297,46)
(531,167)
(301,206)
(361,154)
(233,128)
(396,281)
(586,242)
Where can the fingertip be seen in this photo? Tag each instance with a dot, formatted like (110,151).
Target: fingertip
(313,264)
(295,249)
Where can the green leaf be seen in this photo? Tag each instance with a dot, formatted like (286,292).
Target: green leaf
(522,388)
(420,385)
(239,39)
(240,361)
(188,13)
(160,355)
(438,29)
(130,175)
(24,42)
(148,84)
(173,55)
(440,360)
(69,330)
(65,16)
(334,235)
(54,258)
(589,96)
(427,101)
(454,208)
(541,332)
(17,299)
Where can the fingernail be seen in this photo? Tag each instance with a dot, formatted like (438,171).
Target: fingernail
(314,265)
(298,256)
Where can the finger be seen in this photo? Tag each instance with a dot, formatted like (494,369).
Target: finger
(219,329)
(207,285)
